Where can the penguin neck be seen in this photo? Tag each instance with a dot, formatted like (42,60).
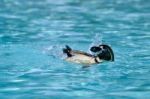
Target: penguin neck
(97,59)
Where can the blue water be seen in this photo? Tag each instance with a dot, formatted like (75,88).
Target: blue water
(32,32)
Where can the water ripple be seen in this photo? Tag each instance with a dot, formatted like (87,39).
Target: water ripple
(32,33)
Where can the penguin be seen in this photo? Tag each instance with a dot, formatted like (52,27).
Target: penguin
(102,53)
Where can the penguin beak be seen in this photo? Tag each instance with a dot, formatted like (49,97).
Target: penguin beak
(95,49)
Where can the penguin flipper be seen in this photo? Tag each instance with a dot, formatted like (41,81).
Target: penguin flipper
(67,50)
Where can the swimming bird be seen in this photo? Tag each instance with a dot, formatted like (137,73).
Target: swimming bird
(102,53)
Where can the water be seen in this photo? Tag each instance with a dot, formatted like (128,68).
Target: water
(30,28)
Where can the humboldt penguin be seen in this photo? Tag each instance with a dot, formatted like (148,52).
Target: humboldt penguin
(100,54)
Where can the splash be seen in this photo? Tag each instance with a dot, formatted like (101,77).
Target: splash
(54,51)
(97,40)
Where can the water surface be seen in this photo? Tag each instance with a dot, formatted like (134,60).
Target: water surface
(30,28)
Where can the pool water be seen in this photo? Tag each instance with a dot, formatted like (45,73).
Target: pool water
(32,33)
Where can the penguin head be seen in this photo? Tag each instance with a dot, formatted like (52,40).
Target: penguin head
(103,52)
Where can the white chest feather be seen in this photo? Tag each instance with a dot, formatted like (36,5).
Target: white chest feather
(82,59)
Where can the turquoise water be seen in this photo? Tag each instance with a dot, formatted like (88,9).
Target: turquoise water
(32,33)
